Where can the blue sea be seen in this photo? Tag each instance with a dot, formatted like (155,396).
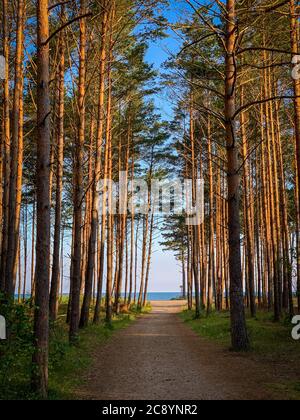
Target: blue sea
(154,296)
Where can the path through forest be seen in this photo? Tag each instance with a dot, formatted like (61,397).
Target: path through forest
(160,358)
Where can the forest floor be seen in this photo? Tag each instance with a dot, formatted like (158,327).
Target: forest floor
(159,357)
(67,364)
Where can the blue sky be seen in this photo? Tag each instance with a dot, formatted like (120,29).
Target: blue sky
(161,50)
(165,272)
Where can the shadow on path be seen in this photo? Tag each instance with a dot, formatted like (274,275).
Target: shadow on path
(160,358)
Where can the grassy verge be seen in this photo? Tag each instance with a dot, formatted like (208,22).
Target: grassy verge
(271,343)
(67,364)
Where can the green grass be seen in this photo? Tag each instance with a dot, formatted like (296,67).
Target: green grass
(271,343)
(67,364)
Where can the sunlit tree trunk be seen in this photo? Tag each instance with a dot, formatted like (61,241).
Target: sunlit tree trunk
(183,261)
(238,324)
(6,144)
(149,259)
(91,256)
(247,215)
(32,279)
(146,225)
(55,281)
(136,260)
(25,240)
(211,272)
(42,268)
(19,184)
(15,151)
(78,181)
(123,216)
(131,237)
(288,303)
(296,52)
(109,157)
(195,236)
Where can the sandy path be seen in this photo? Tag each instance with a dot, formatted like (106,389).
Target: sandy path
(160,358)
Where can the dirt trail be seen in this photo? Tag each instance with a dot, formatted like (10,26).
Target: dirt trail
(160,358)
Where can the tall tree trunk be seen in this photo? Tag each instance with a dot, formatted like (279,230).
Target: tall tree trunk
(190,270)
(25,235)
(16,151)
(54,293)
(145,236)
(19,183)
(95,201)
(126,264)
(131,237)
(184,288)
(272,182)
(6,143)
(296,52)
(123,216)
(42,270)
(144,253)
(109,157)
(211,271)
(149,260)
(195,236)
(248,221)
(62,264)
(136,260)
(288,303)
(297,192)
(32,280)
(239,334)
(78,188)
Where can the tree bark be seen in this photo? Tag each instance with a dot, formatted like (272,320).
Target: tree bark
(42,270)
(6,143)
(239,334)
(131,237)
(211,271)
(95,200)
(16,152)
(149,260)
(247,218)
(54,293)
(296,52)
(123,216)
(78,188)
(109,157)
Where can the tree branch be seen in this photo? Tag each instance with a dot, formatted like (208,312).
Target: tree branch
(262,49)
(194,43)
(263,101)
(62,3)
(217,32)
(65,26)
